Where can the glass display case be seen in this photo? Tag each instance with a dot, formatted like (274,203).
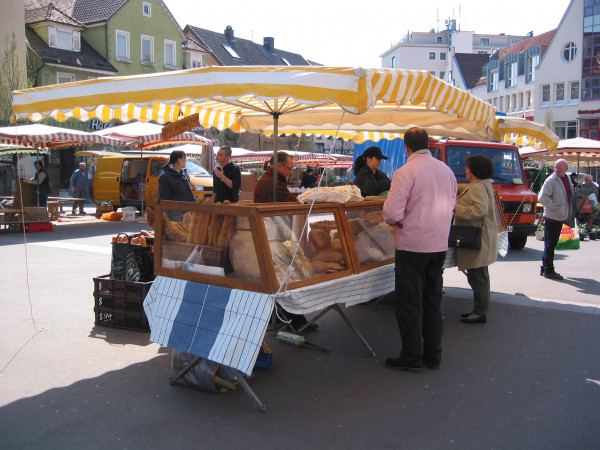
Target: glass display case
(258,247)
(371,239)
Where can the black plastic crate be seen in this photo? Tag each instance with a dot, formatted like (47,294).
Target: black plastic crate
(119,303)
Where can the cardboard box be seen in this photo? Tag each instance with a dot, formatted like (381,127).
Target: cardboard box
(248,181)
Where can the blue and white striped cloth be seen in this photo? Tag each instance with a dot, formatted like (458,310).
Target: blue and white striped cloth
(217,323)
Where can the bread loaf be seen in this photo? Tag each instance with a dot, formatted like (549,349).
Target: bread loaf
(329,255)
(199,226)
(214,228)
(320,239)
(172,231)
(150,216)
(326,267)
(226,229)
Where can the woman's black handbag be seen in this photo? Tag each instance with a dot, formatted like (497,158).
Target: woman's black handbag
(464,237)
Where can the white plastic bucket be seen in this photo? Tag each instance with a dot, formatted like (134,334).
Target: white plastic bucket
(129,214)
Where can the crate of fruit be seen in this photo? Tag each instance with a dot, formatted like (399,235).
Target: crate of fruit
(119,303)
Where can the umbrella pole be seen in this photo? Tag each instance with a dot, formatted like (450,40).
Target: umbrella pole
(145,175)
(276,131)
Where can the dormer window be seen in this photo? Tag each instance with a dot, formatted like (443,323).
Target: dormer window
(64,39)
(147,9)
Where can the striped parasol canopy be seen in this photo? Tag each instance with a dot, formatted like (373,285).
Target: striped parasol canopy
(45,136)
(149,135)
(300,158)
(273,99)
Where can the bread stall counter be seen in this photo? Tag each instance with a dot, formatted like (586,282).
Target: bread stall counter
(340,253)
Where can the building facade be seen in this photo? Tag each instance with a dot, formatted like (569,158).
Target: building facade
(435,51)
(568,77)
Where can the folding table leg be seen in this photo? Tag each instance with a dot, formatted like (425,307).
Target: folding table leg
(247,388)
(343,314)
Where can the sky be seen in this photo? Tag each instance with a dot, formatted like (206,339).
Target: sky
(352,33)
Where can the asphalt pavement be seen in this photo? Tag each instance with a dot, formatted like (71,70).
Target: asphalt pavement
(529,378)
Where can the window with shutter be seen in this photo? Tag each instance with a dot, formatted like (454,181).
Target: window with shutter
(52,37)
(76,41)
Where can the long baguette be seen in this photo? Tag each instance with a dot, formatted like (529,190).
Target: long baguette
(216,221)
(195,224)
(204,225)
(226,229)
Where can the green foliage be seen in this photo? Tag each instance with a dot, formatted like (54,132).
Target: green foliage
(13,76)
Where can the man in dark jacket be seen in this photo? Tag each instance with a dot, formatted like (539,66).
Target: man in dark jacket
(227,179)
(263,191)
(42,180)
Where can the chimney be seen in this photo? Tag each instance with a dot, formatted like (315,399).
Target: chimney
(229,33)
(269,44)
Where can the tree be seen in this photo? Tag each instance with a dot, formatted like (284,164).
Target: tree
(13,76)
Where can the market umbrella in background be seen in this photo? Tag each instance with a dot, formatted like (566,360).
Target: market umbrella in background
(146,136)
(300,158)
(43,136)
(575,149)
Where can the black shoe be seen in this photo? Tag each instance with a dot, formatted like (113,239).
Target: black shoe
(477,319)
(402,364)
(466,314)
(542,271)
(553,275)
(433,364)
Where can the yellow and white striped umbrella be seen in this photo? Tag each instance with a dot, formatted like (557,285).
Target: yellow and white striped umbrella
(224,95)
(271,98)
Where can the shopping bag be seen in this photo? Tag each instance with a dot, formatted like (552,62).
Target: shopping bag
(131,262)
(503,243)
(202,374)
(593,199)
(586,206)
(568,239)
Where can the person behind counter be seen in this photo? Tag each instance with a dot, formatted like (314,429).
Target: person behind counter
(227,179)
(369,178)
(476,207)
(43,181)
(308,179)
(263,191)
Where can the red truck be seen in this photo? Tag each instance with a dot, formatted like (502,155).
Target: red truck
(509,180)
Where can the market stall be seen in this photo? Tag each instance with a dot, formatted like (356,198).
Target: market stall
(269,251)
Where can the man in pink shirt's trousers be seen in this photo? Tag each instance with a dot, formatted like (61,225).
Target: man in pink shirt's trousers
(420,204)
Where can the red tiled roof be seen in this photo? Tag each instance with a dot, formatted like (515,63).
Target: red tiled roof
(520,47)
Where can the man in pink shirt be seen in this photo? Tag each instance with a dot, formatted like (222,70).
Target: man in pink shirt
(420,204)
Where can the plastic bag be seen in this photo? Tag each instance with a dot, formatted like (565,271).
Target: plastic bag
(567,239)
(204,375)
(503,243)
(586,206)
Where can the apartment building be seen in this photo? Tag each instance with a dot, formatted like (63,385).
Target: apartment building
(436,51)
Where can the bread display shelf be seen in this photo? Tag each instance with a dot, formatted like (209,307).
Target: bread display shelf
(251,246)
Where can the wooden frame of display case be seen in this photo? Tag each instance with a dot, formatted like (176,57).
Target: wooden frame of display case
(255,214)
(361,206)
